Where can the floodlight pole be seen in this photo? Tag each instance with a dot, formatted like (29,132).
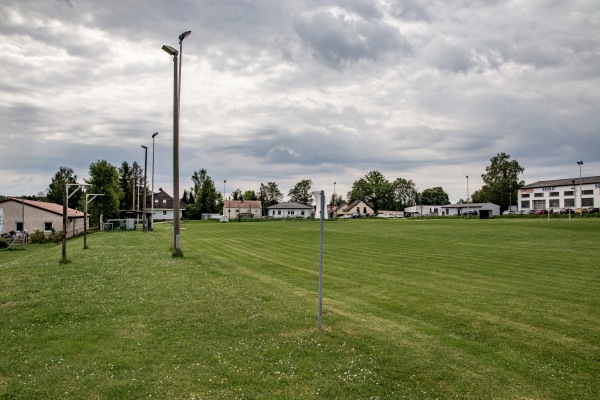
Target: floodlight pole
(468,207)
(580,163)
(334,210)
(66,197)
(321,203)
(152,200)
(85,216)
(144,222)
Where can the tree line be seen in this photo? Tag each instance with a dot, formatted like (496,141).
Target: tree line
(123,189)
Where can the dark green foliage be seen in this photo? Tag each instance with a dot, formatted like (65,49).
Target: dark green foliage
(3,243)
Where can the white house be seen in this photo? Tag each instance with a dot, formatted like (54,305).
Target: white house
(427,211)
(31,216)
(484,210)
(560,194)
(163,206)
(289,210)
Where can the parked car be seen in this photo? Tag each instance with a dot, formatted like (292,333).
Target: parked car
(508,212)
(470,212)
(592,210)
(541,212)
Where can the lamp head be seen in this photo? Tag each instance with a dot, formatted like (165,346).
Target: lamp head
(144,147)
(154,135)
(170,50)
(184,35)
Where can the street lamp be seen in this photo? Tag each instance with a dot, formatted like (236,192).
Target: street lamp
(468,207)
(580,163)
(176,223)
(334,201)
(152,201)
(145,185)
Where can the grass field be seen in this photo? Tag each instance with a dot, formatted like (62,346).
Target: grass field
(416,309)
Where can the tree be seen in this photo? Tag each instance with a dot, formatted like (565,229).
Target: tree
(56,190)
(501,182)
(434,196)
(250,195)
(104,179)
(336,200)
(269,194)
(236,194)
(405,193)
(206,198)
(301,192)
(375,189)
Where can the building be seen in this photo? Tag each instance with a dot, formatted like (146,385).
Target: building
(560,194)
(483,210)
(357,207)
(39,216)
(424,211)
(242,209)
(289,210)
(163,206)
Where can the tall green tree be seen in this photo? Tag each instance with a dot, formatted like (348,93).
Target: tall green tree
(250,195)
(300,193)
(405,193)
(56,190)
(104,179)
(207,200)
(501,182)
(374,188)
(269,194)
(434,196)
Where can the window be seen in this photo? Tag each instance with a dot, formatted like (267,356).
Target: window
(278,212)
(164,213)
(569,202)
(47,226)
(587,192)
(525,204)
(587,202)
(554,203)
(302,213)
(568,193)
(538,195)
(19,227)
(554,194)
(525,196)
(539,204)
(364,210)
(291,212)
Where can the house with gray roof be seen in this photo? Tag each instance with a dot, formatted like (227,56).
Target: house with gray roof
(560,194)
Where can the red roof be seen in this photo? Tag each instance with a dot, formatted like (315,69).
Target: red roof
(50,207)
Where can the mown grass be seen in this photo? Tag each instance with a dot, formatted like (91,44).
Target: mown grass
(422,309)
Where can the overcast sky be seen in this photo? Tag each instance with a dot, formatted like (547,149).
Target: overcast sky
(276,90)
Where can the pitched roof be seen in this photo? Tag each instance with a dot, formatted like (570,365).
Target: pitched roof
(354,203)
(290,205)
(165,201)
(563,182)
(243,203)
(50,207)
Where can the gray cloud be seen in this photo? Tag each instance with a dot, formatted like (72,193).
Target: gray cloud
(283,91)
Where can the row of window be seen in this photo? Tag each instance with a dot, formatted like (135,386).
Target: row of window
(556,194)
(555,203)
(47,226)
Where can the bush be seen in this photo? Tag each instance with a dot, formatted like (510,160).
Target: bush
(37,237)
(3,243)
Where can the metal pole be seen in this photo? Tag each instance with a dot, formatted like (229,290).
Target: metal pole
(64,238)
(152,200)
(322,194)
(176,222)
(580,191)
(144,223)
(468,207)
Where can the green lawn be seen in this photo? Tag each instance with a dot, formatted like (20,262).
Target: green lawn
(416,309)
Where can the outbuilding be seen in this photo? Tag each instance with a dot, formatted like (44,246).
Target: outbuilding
(289,210)
(482,210)
(30,216)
